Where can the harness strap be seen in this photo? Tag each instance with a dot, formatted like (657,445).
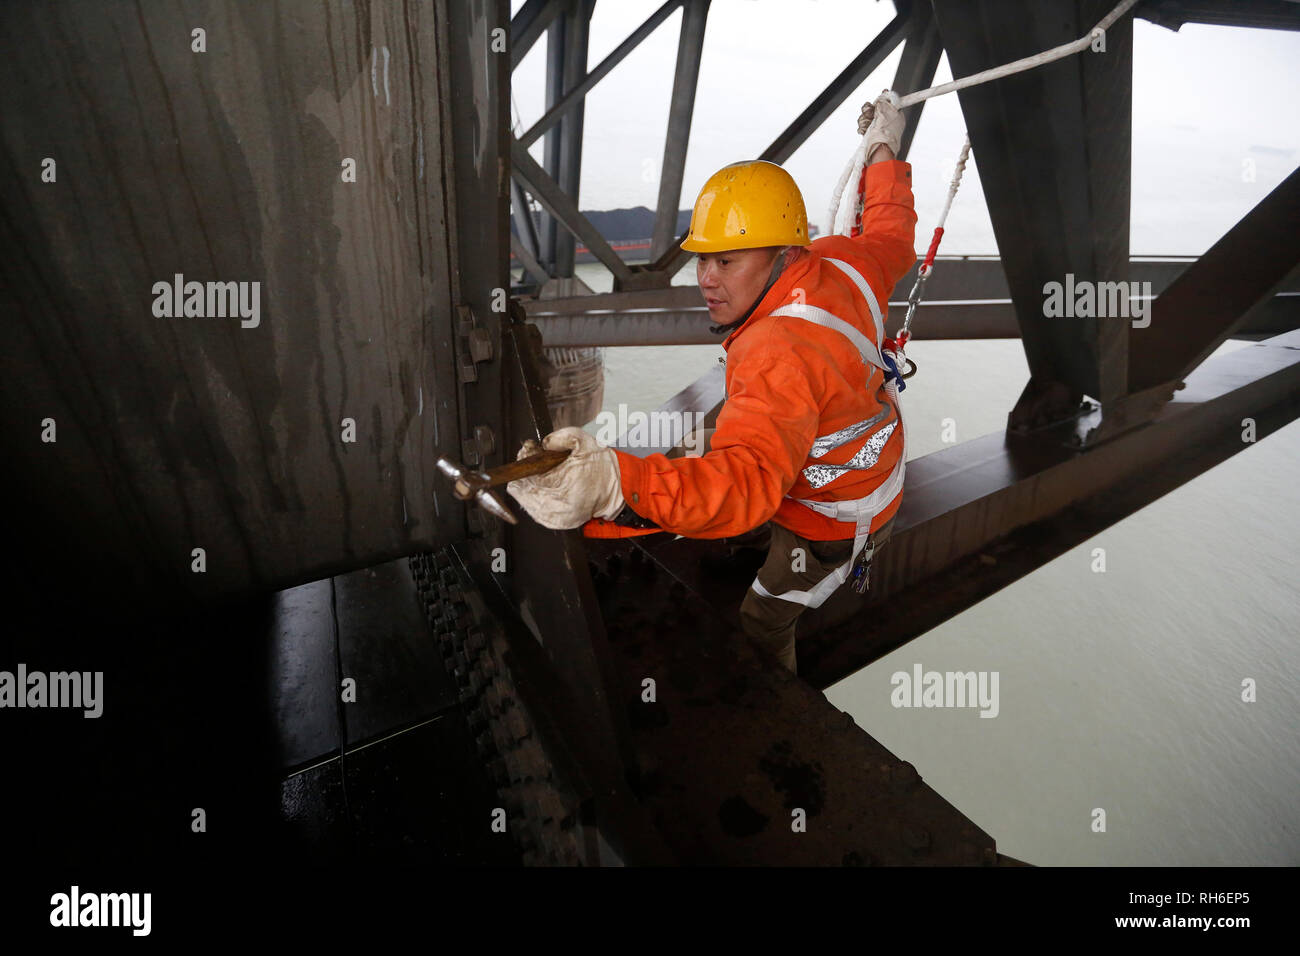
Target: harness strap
(867,294)
(859,511)
(866,349)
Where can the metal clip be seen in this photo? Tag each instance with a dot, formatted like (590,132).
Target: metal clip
(861,573)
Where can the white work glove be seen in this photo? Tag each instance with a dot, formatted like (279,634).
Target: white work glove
(583,486)
(882,123)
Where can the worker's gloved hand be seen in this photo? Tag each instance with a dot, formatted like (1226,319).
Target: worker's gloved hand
(882,123)
(583,486)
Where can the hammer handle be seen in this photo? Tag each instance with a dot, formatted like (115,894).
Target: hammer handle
(535,464)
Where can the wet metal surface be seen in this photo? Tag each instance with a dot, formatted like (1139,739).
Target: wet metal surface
(365,626)
(303,678)
(385,646)
(390,772)
(418,797)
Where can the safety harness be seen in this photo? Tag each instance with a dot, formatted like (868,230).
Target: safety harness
(889,358)
(859,512)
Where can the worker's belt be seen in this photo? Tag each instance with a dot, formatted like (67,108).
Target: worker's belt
(630,519)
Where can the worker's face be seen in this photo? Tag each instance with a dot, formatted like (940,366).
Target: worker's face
(731,281)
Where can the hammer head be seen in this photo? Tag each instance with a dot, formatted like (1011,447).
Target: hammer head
(490,500)
(469,484)
(464,481)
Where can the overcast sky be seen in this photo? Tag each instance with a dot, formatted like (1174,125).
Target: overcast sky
(1208,102)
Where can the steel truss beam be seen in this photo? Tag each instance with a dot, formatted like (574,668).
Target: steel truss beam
(965,299)
(942,321)
(543,600)
(1054,155)
(548,192)
(916,68)
(564,102)
(521,214)
(566,61)
(690,46)
(580,91)
(825,103)
(985,513)
(1218,294)
(567,85)
(528,25)
(530,263)
(1261,14)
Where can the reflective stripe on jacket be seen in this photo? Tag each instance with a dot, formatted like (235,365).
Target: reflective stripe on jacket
(806,415)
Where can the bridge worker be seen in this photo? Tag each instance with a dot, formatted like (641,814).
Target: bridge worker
(810,437)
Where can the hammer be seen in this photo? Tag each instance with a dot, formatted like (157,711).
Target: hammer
(469,484)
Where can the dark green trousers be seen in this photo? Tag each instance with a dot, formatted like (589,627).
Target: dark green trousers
(769,621)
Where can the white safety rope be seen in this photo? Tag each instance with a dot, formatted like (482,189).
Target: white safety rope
(1028,63)
(841,222)
(956,181)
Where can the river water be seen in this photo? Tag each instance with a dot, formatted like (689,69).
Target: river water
(1118,690)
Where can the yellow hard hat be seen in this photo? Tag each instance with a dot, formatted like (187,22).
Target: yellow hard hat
(745,206)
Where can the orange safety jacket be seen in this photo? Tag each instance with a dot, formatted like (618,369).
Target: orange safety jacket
(801,397)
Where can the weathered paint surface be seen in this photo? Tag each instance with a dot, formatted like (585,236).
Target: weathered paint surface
(227,165)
